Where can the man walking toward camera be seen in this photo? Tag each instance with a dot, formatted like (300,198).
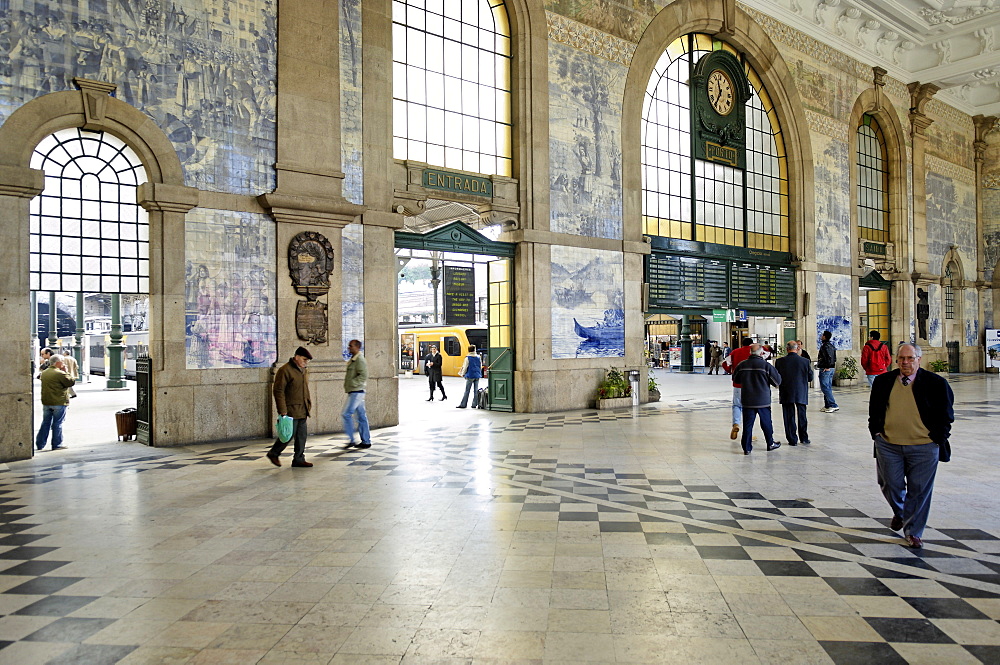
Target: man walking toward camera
(291,398)
(355,382)
(909,417)
(55,399)
(827,363)
(793,393)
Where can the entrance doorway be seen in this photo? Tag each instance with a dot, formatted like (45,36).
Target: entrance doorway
(456,290)
(88,255)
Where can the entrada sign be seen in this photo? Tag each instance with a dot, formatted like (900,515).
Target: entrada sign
(457,183)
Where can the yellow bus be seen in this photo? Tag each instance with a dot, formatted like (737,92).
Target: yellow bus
(452,342)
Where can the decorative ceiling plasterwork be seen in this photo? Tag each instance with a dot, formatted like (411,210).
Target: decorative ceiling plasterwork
(950,43)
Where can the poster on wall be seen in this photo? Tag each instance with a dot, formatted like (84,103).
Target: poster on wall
(697,353)
(992,347)
(459,296)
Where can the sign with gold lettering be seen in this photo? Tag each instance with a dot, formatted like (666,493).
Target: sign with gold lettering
(457,183)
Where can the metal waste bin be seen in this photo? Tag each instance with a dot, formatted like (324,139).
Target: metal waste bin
(126,420)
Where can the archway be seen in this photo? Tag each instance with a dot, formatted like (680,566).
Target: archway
(91,108)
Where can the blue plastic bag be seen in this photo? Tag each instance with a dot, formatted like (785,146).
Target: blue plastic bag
(285,426)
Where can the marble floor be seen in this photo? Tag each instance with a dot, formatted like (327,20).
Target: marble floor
(635,536)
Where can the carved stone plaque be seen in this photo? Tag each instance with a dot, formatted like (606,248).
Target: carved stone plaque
(311,321)
(310,262)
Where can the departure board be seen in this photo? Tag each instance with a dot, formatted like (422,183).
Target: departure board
(760,286)
(706,283)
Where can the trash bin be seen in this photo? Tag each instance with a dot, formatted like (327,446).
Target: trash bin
(126,420)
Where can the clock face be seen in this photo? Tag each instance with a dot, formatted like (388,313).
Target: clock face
(720,92)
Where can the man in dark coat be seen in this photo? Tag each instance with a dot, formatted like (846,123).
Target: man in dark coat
(432,368)
(793,393)
(756,376)
(827,364)
(291,398)
(909,417)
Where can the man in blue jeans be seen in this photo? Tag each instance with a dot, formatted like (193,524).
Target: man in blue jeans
(355,381)
(827,365)
(55,399)
(909,417)
(472,370)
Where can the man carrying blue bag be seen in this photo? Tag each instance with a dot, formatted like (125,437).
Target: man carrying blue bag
(291,397)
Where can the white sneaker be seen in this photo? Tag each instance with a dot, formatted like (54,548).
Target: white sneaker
(833,408)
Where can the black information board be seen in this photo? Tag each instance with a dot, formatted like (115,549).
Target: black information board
(706,283)
(459,296)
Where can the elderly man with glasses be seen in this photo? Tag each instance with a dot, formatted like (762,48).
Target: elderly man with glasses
(909,416)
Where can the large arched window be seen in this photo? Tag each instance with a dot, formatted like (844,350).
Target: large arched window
(692,199)
(87,233)
(873,182)
(451,84)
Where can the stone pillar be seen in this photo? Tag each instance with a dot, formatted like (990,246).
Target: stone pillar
(921,274)
(920,94)
(18,185)
(78,338)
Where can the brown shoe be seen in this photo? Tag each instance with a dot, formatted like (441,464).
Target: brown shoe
(305,464)
(897,523)
(274,459)
(914,543)
(735,432)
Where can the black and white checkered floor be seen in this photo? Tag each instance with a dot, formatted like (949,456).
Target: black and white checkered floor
(629,536)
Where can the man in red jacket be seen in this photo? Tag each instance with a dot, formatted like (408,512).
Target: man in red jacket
(730,363)
(875,357)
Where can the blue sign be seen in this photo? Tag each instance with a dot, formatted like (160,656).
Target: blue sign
(741,314)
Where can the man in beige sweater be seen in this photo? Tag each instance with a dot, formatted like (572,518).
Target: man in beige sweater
(909,417)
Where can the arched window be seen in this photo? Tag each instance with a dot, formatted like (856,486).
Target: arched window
(87,233)
(950,277)
(451,84)
(692,199)
(873,182)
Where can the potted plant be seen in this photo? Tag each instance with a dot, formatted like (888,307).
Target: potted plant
(847,375)
(614,392)
(654,389)
(940,366)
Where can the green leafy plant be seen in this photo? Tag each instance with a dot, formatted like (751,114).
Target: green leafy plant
(614,385)
(940,366)
(848,369)
(653,387)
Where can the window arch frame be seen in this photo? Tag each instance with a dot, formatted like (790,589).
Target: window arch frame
(93,253)
(411,119)
(865,188)
(739,231)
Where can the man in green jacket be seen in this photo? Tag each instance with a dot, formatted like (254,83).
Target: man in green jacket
(291,397)
(354,385)
(55,381)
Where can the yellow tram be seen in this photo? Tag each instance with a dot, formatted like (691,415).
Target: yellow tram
(452,342)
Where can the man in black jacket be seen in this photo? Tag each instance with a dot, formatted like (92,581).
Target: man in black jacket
(433,369)
(827,363)
(756,376)
(909,417)
(793,393)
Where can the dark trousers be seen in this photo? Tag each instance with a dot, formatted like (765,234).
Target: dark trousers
(906,476)
(298,439)
(434,380)
(791,412)
(749,416)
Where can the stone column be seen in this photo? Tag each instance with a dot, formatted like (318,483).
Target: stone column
(921,274)
(18,185)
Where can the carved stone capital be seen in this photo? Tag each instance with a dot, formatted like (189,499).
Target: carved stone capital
(315,211)
(21,182)
(95,96)
(159,197)
(878,77)
(920,94)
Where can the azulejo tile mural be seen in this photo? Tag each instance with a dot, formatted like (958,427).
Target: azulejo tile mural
(833,202)
(950,204)
(204,70)
(352,285)
(585,102)
(935,334)
(833,309)
(972,330)
(230,294)
(588,312)
(350,100)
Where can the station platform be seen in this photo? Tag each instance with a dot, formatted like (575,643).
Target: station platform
(640,535)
